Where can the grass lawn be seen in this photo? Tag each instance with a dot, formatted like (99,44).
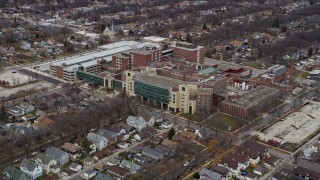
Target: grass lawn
(251,64)
(302,74)
(222,121)
(249,169)
(194,117)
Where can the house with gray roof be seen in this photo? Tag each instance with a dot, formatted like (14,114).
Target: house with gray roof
(113,162)
(137,122)
(102,176)
(11,173)
(57,154)
(99,141)
(130,166)
(46,162)
(152,153)
(32,169)
(110,135)
(206,174)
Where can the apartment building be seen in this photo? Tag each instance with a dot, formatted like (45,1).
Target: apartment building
(189,51)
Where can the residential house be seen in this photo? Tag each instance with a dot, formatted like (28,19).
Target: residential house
(110,135)
(305,173)
(99,141)
(259,170)
(38,103)
(123,145)
(130,166)
(253,155)
(113,162)
(221,170)
(165,150)
(139,136)
(152,153)
(202,133)
(17,111)
(46,162)
(57,154)
(89,174)
(242,160)
(75,167)
(140,159)
(167,124)
(73,150)
(251,176)
(27,107)
(150,117)
(117,129)
(178,138)
(118,171)
(31,168)
(129,129)
(11,173)
(272,161)
(102,176)
(261,149)
(124,137)
(137,122)
(206,174)
(231,164)
(88,161)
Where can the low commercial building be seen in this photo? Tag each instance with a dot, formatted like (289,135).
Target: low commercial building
(249,104)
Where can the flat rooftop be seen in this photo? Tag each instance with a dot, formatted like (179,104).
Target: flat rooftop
(298,126)
(158,80)
(255,95)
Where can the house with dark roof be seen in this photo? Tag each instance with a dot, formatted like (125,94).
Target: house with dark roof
(117,129)
(73,150)
(253,155)
(150,117)
(32,169)
(261,149)
(102,176)
(46,162)
(11,173)
(152,153)
(130,166)
(221,170)
(305,173)
(118,171)
(57,154)
(110,135)
(231,164)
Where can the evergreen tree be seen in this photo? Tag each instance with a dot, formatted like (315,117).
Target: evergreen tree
(276,23)
(310,52)
(3,114)
(188,38)
(171,133)
(205,27)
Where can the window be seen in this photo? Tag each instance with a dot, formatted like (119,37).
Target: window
(183,89)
